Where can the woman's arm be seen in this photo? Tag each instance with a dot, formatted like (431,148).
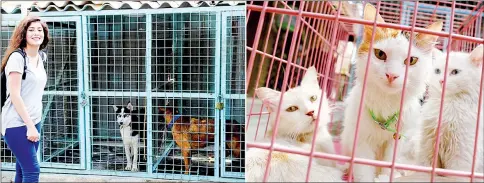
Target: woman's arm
(14,84)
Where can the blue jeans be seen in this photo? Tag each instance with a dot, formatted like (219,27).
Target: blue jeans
(27,167)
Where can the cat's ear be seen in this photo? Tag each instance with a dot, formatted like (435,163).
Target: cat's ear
(477,55)
(115,108)
(269,97)
(369,13)
(310,78)
(427,41)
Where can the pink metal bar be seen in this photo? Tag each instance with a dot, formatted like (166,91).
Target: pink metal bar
(479,108)
(403,92)
(258,75)
(298,44)
(360,108)
(256,44)
(437,133)
(366,161)
(366,22)
(284,85)
(471,18)
(325,81)
(248,15)
(284,45)
(310,27)
(285,61)
(401,11)
(304,45)
(320,48)
(318,28)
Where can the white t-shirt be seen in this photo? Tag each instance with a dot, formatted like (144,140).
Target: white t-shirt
(32,90)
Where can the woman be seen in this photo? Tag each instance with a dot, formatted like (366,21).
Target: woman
(22,111)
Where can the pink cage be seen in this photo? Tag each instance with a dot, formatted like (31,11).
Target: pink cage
(284,38)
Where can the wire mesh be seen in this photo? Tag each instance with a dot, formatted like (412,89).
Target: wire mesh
(7,28)
(233,120)
(155,61)
(60,128)
(117,75)
(287,37)
(183,89)
(60,140)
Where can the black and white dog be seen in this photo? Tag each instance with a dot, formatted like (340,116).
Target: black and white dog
(132,131)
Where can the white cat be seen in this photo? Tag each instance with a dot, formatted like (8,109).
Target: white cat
(287,167)
(459,113)
(299,110)
(384,85)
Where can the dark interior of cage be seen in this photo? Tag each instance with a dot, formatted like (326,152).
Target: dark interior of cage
(108,149)
(6,156)
(168,155)
(5,153)
(234,131)
(60,130)
(183,52)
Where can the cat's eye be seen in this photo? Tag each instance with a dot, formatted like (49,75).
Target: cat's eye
(380,54)
(292,109)
(413,60)
(455,72)
(437,71)
(313,98)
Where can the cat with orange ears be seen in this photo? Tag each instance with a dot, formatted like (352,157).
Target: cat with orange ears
(384,87)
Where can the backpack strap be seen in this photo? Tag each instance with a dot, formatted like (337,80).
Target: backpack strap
(22,52)
(19,50)
(42,56)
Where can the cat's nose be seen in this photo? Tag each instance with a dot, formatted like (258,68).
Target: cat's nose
(441,82)
(391,77)
(310,113)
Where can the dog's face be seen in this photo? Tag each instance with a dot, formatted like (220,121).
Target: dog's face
(123,114)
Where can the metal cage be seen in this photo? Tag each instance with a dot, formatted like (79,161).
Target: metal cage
(286,37)
(189,59)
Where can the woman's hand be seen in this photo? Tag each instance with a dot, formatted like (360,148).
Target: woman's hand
(33,134)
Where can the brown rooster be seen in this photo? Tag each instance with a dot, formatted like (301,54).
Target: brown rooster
(188,133)
(191,133)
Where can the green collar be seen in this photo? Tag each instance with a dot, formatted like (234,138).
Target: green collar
(386,124)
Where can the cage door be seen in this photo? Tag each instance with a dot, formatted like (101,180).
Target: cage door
(233,94)
(62,143)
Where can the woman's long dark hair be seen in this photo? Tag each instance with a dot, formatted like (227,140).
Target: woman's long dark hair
(19,37)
